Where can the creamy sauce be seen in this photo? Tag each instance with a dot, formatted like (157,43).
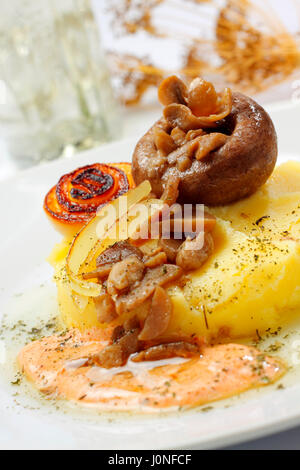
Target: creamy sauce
(33,314)
(28,316)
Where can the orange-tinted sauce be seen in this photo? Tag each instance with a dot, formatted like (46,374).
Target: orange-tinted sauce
(56,365)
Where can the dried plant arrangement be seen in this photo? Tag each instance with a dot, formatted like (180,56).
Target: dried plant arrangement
(248,47)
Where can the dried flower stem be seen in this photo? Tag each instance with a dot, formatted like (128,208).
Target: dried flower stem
(252,60)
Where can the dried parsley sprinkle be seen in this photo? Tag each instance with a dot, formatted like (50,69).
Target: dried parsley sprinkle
(274,347)
(258,335)
(261,358)
(265,380)
(16,382)
(206,409)
(264,217)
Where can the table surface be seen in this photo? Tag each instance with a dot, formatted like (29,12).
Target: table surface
(135,124)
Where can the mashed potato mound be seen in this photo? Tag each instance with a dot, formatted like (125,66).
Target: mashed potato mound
(249,285)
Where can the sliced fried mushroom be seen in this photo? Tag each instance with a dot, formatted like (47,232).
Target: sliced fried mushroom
(172,90)
(184,163)
(139,294)
(200,146)
(125,274)
(167,351)
(118,252)
(120,331)
(151,249)
(191,135)
(159,316)
(170,247)
(175,338)
(182,227)
(210,142)
(163,141)
(179,115)
(194,253)
(102,272)
(157,260)
(202,98)
(112,255)
(105,308)
(116,354)
(187,150)
(171,191)
(178,136)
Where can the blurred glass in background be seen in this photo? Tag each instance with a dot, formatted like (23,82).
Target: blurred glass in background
(55,91)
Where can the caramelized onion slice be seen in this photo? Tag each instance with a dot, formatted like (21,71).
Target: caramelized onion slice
(86,245)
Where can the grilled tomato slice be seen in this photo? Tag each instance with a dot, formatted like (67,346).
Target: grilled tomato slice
(78,195)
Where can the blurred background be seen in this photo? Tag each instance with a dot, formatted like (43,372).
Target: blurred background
(75,74)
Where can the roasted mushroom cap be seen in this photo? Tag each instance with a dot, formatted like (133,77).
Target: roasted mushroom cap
(232,168)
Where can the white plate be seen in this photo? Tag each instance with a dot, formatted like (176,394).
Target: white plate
(26,238)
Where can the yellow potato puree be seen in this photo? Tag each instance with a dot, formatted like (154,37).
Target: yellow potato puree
(250,284)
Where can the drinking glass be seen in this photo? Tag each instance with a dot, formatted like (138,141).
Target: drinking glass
(55,91)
